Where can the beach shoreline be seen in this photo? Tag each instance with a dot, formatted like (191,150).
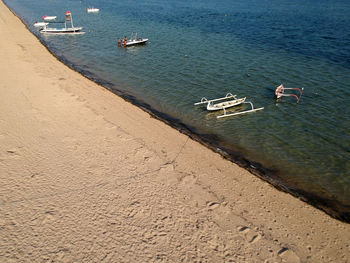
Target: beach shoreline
(75,156)
(325,202)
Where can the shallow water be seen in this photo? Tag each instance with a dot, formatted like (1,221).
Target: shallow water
(199,49)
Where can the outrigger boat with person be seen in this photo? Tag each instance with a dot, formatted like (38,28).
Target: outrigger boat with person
(279,92)
(65,29)
(132,41)
(227,102)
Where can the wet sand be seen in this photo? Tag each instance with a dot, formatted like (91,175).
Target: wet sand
(88,177)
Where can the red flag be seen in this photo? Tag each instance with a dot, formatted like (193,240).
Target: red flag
(68,16)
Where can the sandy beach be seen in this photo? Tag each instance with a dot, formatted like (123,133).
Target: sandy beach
(88,177)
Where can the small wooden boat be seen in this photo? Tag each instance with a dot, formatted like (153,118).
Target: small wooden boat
(65,29)
(92,10)
(227,102)
(279,92)
(49,18)
(132,41)
(224,105)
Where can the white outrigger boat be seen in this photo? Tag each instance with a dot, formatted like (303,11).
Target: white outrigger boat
(279,92)
(92,10)
(227,102)
(40,24)
(65,29)
(45,22)
(132,41)
(49,18)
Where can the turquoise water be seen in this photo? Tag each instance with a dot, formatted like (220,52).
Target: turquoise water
(208,48)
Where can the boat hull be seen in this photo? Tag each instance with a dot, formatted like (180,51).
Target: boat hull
(40,24)
(136,42)
(49,18)
(225,104)
(69,30)
(92,10)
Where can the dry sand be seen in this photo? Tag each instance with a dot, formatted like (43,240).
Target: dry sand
(88,177)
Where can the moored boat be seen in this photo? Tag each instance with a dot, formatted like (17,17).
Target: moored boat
(134,40)
(92,10)
(49,18)
(211,106)
(65,29)
(40,24)
(280,92)
(227,102)
(68,30)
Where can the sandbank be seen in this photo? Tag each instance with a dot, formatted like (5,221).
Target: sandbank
(88,177)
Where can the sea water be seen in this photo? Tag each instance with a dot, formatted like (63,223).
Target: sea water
(206,49)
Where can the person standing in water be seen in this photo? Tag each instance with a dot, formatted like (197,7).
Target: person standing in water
(125,41)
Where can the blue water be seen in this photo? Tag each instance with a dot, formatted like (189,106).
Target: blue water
(246,47)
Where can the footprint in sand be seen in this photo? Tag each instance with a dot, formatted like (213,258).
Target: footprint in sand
(143,154)
(49,216)
(250,235)
(13,153)
(288,255)
(212,205)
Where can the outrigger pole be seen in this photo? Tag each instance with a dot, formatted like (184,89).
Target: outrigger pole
(204,100)
(241,112)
